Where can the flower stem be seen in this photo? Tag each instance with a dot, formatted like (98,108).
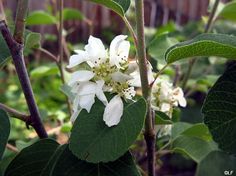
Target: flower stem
(61,52)
(15,45)
(131,30)
(150,136)
(206,30)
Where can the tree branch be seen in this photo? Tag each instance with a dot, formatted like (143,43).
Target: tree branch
(15,113)
(149,134)
(15,46)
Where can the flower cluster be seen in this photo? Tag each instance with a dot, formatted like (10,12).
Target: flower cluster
(102,71)
(164,98)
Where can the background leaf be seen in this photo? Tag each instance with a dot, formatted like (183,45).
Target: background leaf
(216,163)
(194,147)
(219,110)
(221,45)
(228,12)
(118,6)
(4,52)
(68,164)
(72,14)
(40,18)
(159,46)
(92,140)
(4,131)
(31,160)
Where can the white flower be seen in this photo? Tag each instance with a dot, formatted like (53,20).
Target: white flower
(178,97)
(85,96)
(164,97)
(113,111)
(106,71)
(135,73)
(119,50)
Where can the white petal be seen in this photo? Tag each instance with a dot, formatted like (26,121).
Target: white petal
(76,103)
(136,81)
(121,77)
(119,50)
(74,116)
(165,107)
(81,76)
(87,101)
(78,58)
(150,74)
(86,88)
(182,102)
(129,93)
(99,92)
(132,67)
(113,111)
(96,50)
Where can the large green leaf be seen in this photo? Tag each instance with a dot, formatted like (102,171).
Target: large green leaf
(4,131)
(178,128)
(219,110)
(217,163)
(67,164)
(40,18)
(228,11)
(118,6)
(221,45)
(92,140)
(193,140)
(31,160)
(194,147)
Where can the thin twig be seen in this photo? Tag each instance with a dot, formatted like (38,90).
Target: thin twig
(49,54)
(15,113)
(61,55)
(208,26)
(12,148)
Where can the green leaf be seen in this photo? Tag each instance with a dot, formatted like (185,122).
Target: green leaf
(32,40)
(216,163)
(4,52)
(221,45)
(228,12)
(4,131)
(92,140)
(40,18)
(199,130)
(49,167)
(178,128)
(162,118)
(159,46)
(31,160)
(118,6)
(45,70)
(219,111)
(194,147)
(72,14)
(68,164)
